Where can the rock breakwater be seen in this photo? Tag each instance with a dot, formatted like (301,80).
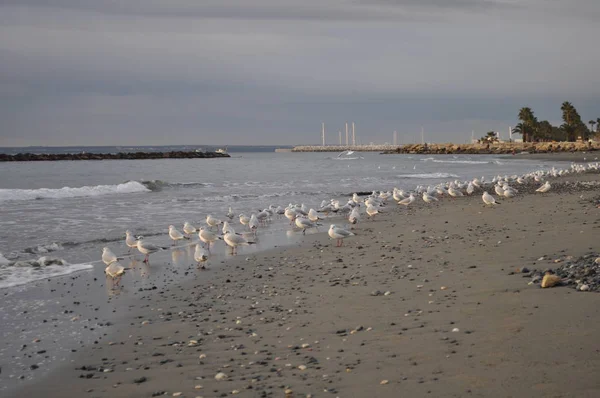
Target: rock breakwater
(496,148)
(30,157)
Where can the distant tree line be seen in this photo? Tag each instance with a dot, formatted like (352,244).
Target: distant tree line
(572,128)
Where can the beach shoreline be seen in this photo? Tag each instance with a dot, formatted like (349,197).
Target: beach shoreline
(315,319)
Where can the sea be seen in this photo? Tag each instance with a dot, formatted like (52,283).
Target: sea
(55,218)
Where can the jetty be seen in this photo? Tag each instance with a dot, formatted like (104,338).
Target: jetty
(32,157)
(497,148)
(342,148)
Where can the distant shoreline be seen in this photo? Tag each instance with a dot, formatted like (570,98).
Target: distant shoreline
(32,157)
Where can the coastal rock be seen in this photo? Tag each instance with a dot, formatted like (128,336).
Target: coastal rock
(550,280)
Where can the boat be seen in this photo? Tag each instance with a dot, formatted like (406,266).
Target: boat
(222,151)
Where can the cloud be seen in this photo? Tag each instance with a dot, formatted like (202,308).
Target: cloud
(103,71)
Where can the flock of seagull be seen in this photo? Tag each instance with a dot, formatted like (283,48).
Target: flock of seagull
(306,218)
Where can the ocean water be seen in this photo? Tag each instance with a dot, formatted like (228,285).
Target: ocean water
(55,217)
(70,210)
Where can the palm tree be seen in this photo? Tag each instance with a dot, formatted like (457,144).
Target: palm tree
(567,108)
(598,124)
(528,123)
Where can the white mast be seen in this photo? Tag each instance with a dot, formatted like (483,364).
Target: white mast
(346,133)
(472,136)
(395,138)
(353,136)
(340,133)
(323,133)
(422,136)
(510,133)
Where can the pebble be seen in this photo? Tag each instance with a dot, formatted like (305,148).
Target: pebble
(387,293)
(220,376)
(176,394)
(384,382)
(302,367)
(455,330)
(584,288)
(376,293)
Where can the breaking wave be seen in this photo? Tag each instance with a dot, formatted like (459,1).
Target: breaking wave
(22,272)
(68,192)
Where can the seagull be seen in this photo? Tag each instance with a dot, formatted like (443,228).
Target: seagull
(189,228)
(407,201)
(244,219)
(208,237)
(354,216)
(338,233)
(227,228)
(147,248)
(488,199)
(253,223)
(544,188)
(130,240)
(470,188)
(233,241)
(454,192)
(212,222)
(108,257)
(230,214)
(175,235)
(115,271)
(313,216)
(372,210)
(428,198)
(304,224)
(200,255)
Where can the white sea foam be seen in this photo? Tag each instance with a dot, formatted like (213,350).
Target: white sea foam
(3,260)
(428,175)
(22,272)
(68,192)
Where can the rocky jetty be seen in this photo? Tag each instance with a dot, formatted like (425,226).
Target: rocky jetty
(31,157)
(496,148)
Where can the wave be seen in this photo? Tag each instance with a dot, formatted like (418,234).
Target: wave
(22,272)
(159,185)
(68,192)
(428,175)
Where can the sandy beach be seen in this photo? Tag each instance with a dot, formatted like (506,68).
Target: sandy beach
(429,300)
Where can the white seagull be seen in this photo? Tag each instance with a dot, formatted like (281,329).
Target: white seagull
(200,255)
(208,237)
(234,240)
(488,199)
(175,235)
(147,249)
(108,256)
(544,188)
(338,233)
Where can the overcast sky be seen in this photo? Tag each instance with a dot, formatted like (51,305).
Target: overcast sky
(151,72)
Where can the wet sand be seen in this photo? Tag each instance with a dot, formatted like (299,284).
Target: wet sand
(424,301)
(577,157)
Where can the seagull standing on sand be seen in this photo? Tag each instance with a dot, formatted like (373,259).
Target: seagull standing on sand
(147,249)
(130,240)
(253,223)
(212,222)
(372,210)
(200,255)
(108,256)
(175,235)
(227,228)
(428,198)
(488,199)
(313,216)
(338,233)
(208,237)
(354,216)
(454,192)
(234,240)
(304,223)
(189,229)
(244,219)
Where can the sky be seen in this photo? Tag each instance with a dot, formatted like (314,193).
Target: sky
(269,72)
